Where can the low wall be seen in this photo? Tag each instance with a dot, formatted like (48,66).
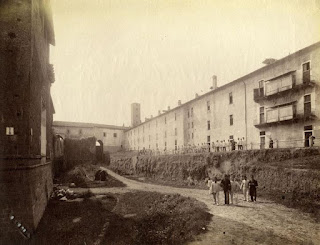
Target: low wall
(25,191)
(275,169)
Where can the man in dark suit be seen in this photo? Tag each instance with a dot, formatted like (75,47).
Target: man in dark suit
(226,186)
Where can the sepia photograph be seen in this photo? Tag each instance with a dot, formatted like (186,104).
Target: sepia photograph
(160,122)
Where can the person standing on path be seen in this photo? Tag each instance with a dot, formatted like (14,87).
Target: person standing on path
(245,188)
(253,189)
(226,186)
(214,190)
(234,187)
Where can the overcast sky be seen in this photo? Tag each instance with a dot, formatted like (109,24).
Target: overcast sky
(110,53)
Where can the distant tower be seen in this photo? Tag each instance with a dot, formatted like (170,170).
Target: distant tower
(135,114)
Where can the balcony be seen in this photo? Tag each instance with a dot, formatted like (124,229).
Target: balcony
(280,86)
(284,115)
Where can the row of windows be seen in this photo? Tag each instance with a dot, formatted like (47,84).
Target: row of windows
(190,114)
(192,126)
(115,135)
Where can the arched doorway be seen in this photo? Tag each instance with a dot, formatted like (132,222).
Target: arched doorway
(99,150)
(58,155)
(58,146)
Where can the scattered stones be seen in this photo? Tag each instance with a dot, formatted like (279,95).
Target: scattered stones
(129,215)
(62,194)
(76,220)
(72,185)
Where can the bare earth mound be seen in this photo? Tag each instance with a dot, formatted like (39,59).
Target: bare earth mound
(83,176)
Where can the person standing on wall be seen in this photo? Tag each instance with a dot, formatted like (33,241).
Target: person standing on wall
(253,189)
(271,143)
(245,188)
(311,140)
(226,186)
(239,144)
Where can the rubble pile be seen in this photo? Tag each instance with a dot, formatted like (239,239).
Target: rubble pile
(101,175)
(63,194)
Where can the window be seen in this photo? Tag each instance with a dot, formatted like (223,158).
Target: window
(208,105)
(188,125)
(175,132)
(175,116)
(175,144)
(80,131)
(192,124)
(261,115)
(230,98)
(262,141)
(306,67)
(262,133)
(231,120)
(306,72)
(9,130)
(115,135)
(68,131)
(307,105)
(231,137)
(165,120)
(261,84)
(208,125)
(208,138)
(188,114)
(192,135)
(192,112)
(105,134)
(307,127)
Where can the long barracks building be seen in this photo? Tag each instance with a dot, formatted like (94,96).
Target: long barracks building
(279,101)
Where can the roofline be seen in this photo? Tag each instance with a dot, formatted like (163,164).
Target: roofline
(86,125)
(253,73)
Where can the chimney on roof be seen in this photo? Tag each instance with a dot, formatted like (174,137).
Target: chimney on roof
(179,102)
(168,108)
(159,112)
(197,95)
(269,61)
(214,82)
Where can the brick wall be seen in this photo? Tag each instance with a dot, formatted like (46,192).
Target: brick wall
(25,175)
(25,191)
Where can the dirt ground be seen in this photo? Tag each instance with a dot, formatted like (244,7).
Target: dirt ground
(263,222)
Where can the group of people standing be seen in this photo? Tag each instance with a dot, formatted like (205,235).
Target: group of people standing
(230,186)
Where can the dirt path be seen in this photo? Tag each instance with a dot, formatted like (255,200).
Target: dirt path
(263,222)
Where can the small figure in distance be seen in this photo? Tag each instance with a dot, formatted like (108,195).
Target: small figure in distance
(245,188)
(226,186)
(234,187)
(271,143)
(214,190)
(253,189)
